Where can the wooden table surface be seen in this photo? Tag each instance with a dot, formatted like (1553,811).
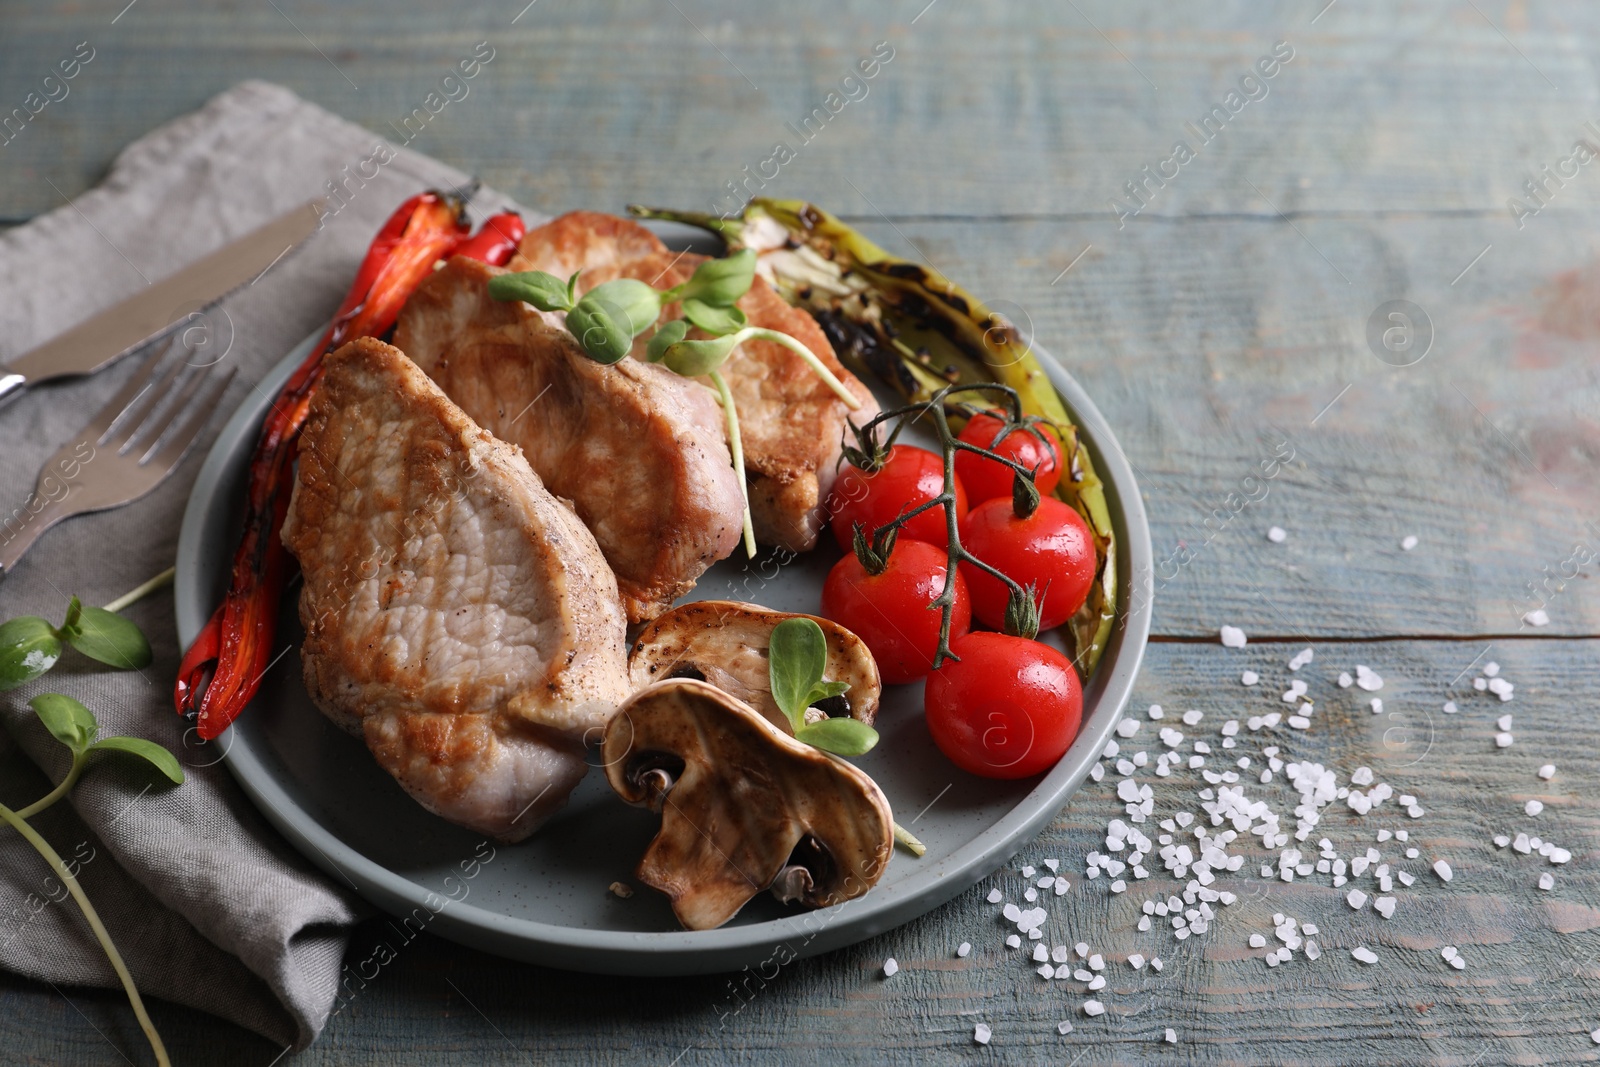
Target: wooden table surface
(1226,319)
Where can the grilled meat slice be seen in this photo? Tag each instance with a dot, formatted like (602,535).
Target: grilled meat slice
(457,615)
(639,451)
(791,422)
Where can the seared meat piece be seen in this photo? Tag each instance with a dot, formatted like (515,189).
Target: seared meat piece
(458,616)
(791,422)
(639,451)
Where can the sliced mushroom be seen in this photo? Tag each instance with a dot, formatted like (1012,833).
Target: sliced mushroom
(744,806)
(724,642)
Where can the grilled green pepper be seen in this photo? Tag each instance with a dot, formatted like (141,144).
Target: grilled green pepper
(911,327)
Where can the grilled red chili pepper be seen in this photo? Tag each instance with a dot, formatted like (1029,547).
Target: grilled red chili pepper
(233,648)
(497,241)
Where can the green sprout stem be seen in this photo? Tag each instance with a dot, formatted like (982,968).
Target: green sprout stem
(851,401)
(907,841)
(16,820)
(736,447)
(80,760)
(133,596)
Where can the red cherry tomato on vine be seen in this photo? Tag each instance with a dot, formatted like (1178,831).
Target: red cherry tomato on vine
(908,478)
(1051,550)
(985,478)
(890,611)
(1008,709)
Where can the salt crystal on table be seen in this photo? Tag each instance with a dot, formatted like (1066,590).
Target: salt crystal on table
(1096,983)
(1093,1008)
(1448,952)
(1082,949)
(964,948)
(1257,941)
(1192,717)
(1041,954)
(1301,658)
(1013,941)
(995,896)
(1365,954)
(1377,706)
(1313,950)
(1458,963)
(1046,971)
(1171,1036)
(1503,722)
(1356,898)
(1249,678)
(1503,740)
(1309,929)
(1064,1027)
(1442,869)
(1127,727)
(981,1034)
(1408,543)
(1548,771)
(1136,961)
(1480,684)
(1522,844)
(1501,841)
(1155,711)
(1533,807)
(1361,776)
(1233,637)
(1547,881)
(1097,962)
(1344,680)
(1030,894)
(1027,872)
(890,967)
(1450,707)
(1384,906)
(1538,617)
(1155,963)
(1277,535)
(1595,1034)
(1368,679)
(1012,913)
(1062,885)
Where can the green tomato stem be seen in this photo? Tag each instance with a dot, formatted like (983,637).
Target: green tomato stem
(43,848)
(905,840)
(737,448)
(851,401)
(79,761)
(136,595)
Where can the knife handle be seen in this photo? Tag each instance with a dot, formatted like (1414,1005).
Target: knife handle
(11,383)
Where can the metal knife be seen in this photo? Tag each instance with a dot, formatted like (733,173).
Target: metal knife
(154,310)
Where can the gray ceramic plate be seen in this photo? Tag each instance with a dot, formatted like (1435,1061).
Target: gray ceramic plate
(546,900)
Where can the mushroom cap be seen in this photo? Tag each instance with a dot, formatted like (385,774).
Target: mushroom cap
(742,803)
(724,642)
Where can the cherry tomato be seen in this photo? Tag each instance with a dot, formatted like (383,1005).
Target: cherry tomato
(1008,709)
(985,478)
(909,477)
(890,611)
(1051,550)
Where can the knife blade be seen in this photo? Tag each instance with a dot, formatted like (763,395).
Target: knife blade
(156,309)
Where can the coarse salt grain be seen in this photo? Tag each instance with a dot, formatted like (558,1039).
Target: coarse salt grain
(1277,535)
(1344,680)
(1533,807)
(1450,707)
(964,949)
(1013,941)
(1365,954)
(1442,869)
(1171,1036)
(1233,637)
(1064,1027)
(981,1034)
(1092,1008)
(1537,617)
(1548,771)
(1409,542)
(1503,740)
(1547,881)
(995,896)
(890,967)
(1301,658)
(1503,722)
(1356,898)
(1155,711)
(1368,679)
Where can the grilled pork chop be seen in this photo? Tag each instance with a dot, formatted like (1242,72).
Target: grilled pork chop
(639,451)
(791,422)
(457,616)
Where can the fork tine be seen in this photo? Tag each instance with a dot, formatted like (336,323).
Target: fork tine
(172,452)
(136,384)
(150,433)
(134,416)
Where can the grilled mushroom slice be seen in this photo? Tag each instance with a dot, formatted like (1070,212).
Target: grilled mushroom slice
(744,806)
(724,642)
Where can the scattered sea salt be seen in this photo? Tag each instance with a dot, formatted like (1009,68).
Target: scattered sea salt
(890,967)
(1064,1027)
(1548,771)
(1277,535)
(1547,881)
(1539,617)
(1301,658)
(1409,542)
(995,896)
(1171,1037)
(1344,680)
(1533,807)
(1450,707)
(1442,869)
(1503,740)
(1233,637)
(964,949)
(981,1034)
(1092,1008)
(1368,679)
(1365,954)
(1249,678)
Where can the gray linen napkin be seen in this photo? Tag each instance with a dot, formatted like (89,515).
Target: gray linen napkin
(208,905)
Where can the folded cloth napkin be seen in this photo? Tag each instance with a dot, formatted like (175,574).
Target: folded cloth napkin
(209,906)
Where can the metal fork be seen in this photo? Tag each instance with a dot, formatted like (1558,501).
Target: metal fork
(128,449)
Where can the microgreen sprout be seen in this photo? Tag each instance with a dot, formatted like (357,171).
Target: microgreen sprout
(74,725)
(606,320)
(30,646)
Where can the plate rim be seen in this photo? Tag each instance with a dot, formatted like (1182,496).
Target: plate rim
(680,952)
